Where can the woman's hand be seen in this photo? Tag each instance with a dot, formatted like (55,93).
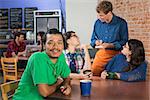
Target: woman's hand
(104,74)
(118,75)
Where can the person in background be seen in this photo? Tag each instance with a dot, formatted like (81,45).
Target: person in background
(129,65)
(15,31)
(46,71)
(76,55)
(39,39)
(17,46)
(110,33)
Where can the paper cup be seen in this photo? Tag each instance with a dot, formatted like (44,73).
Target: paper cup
(85,87)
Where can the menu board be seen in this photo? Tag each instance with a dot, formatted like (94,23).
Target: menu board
(15,18)
(29,17)
(3,18)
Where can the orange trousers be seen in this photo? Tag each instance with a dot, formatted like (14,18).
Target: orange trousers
(101,59)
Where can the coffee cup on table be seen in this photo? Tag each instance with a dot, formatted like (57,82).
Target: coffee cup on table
(85,87)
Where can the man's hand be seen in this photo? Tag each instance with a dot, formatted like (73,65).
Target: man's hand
(21,53)
(59,81)
(13,54)
(107,45)
(98,42)
(66,90)
(66,87)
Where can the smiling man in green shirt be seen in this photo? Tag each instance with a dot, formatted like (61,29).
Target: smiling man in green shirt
(41,76)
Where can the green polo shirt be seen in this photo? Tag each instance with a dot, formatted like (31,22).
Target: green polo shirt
(40,70)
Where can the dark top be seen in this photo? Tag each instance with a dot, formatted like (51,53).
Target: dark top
(118,64)
(115,32)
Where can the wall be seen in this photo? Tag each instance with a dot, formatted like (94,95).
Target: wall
(137,14)
(41,4)
(80,16)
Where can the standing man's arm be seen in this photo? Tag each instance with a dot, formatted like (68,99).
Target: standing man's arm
(95,41)
(94,37)
(123,36)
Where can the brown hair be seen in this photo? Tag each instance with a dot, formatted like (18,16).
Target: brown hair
(67,36)
(104,6)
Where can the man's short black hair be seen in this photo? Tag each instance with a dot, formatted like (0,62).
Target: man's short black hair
(18,34)
(52,31)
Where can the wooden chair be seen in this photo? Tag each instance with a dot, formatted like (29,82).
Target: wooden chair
(4,54)
(8,89)
(9,67)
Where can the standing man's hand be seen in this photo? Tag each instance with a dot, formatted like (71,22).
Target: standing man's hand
(98,42)
(107,45)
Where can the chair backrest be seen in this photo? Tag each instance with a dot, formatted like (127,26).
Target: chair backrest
(4,54)
(8,89)
(9,67)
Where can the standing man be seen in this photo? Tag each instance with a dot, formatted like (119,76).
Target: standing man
(41,76)
(17,46)
(110,33)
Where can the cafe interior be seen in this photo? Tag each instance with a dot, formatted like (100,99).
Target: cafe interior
(32,16)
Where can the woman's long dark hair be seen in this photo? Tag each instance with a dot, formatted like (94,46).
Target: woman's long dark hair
(137,53)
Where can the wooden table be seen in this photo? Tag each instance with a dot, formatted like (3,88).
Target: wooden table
(108,90)
(22,62)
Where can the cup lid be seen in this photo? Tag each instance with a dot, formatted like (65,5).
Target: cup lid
(85,81)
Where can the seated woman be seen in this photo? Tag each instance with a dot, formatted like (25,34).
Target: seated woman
(129,65)
(77,57)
